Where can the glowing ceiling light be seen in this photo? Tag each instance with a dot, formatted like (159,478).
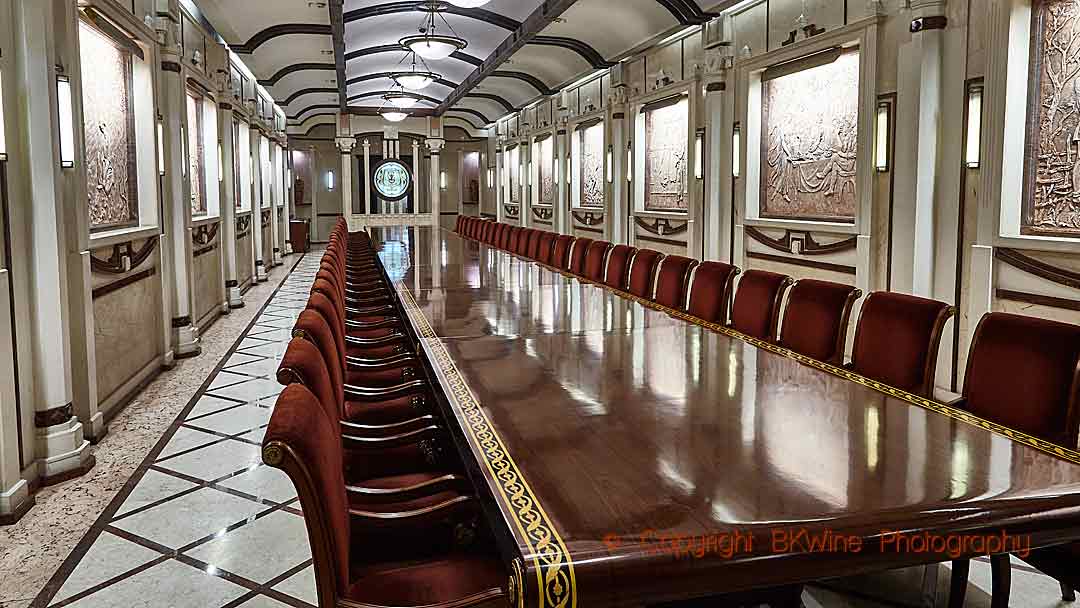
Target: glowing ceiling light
(400,99)
(414,81)
(393,116)
(429,44)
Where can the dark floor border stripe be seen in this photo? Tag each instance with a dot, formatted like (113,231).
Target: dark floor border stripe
(87,541)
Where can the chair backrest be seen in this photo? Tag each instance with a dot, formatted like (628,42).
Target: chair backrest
(643,273)
(302,441)
(577,255)
(618,266)
(459,224)
(710,292)
(533,248)
(897,339)
(560,252)
(523,242)
(322,304)
(1023,373)
(672,281)
(312,326)
(512,239)
(595,258)
(503,236)
(756,310)
(816,319)
(544,248)
(303,363)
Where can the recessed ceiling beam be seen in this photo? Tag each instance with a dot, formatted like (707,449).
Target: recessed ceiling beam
(535,23)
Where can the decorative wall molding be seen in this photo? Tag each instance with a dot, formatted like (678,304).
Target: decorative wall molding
(512,211)
(123,258)
(1037,299)
(265,218)
(661,226)
(205,250)
(543,213)
(243,225)
(205,234)
(122,283)
(802,262)
(1038,268)
(588,218)
(806,243)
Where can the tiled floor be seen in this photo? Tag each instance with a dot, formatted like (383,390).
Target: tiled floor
(204,524)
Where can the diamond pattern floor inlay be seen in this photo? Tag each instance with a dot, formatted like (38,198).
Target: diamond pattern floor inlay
(206,525)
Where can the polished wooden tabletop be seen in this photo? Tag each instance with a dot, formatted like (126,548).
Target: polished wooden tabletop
(630,451)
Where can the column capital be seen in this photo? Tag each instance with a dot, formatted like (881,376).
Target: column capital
(434,145)
(345,144)
(367,145)
(921,9)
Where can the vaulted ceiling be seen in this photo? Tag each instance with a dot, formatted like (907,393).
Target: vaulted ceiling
(316,57)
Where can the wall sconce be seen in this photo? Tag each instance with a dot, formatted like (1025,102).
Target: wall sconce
(736,151)
(66,122)
(490,177)
(569,170)
(3,139)
(160,148)
(699,155)
(608,165)
(630,162)
(528,176)
(220,163)
(442,180)
(252,173)
(881,138)
(974,126)
(330,180)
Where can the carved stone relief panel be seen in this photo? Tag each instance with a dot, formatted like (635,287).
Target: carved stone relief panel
(1052,165)
(546,170)
(666,156)
(592,165)
(809,136)
(196,175)
(109,129)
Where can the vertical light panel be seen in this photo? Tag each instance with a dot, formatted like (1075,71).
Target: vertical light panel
(442,180)
(66,122)
(330,180)
(736,151)
(609,165)
(881,140)
(974,127)
(220,163)
(160,148)
(630,162)
(699,155)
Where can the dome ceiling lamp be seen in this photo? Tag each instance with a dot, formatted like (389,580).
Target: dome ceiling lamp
(429,44)
(414,79)
(391,115)
(400,99)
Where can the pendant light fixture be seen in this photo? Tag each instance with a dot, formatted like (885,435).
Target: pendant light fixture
(414,79)
(393,116)
(400,99)
(429,44)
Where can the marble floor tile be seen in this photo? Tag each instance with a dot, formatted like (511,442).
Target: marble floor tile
(274,323)
(276,335)
(268,349)
(153,486)
(183,520)
(110,556)
(263,368)
(225,378)
(301,586)
(261,549)
(251,389)
(214,461)
(249,342)
(264,482)
(240,359)
(255,435)
(169,583)
(233,421)
(185,438)
(208,404)
(261,601)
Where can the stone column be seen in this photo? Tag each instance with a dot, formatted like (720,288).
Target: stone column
(345,145)
(500,163)
(228,206)
(618,209)
(60,450)
(435,146)
(366,181)
(562,178)
(270,179)
(257,196)
(524,162)
(415,175)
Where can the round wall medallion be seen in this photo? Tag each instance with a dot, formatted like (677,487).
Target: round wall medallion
(392,179)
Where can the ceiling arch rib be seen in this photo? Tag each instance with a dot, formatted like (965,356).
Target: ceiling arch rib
(319,106)
(485,107)
(588,53)
(380,93)
(458,110)
(308,91)
(506,105)
(377,75)
(284,29)
(686,11)
(297,67)
(413,6)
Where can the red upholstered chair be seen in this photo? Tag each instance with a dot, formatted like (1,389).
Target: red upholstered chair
(460,222)
(532,250)
(816,319)
(523,242)
(560,252)
(577,256)
(354,566)
(643,273)
(710,292)
(618,266)
(545,248)
(487,231)
(1024,373)
(756,309)
(502,236)
(672,281)
(897,339)
(595,260)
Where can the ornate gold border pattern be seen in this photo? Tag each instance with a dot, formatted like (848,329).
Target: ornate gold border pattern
(554,568)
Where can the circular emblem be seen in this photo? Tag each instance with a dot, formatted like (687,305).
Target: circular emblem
(392,179)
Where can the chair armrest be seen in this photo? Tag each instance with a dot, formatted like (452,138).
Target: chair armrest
(426,488)
(386,430)
(387,322)
(353,442)
(374,341)
(366,363)
(434,512)
(365,393)
(371,310)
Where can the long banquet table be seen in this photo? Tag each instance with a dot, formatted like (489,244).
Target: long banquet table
(631,456)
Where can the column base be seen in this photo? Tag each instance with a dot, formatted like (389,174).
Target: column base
(14,503)
(288,248)
(185,342)
(96,429)
(236,300)
(277,257)
(260,272)
(63,452)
